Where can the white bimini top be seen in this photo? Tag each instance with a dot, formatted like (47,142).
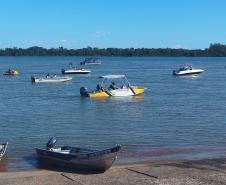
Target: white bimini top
(112,76)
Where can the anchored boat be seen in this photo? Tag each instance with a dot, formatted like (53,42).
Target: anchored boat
(3,148)
(51,79)
(11,72)
(77,158)
(187,70)
(113,90)
(75,70)
(91,60)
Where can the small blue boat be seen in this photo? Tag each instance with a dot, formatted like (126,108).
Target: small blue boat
(77,158)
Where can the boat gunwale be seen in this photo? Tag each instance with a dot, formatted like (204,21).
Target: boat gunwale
(91,154)
(3,151)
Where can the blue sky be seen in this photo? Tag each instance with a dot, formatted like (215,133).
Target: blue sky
(112,23)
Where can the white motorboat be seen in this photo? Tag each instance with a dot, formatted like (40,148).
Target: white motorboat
(75,70)
(187,70)
(51,79)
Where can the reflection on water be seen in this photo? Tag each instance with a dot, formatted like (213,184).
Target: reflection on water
(139,98)
(190,76)
(124,99)
(3,164)
(156,153)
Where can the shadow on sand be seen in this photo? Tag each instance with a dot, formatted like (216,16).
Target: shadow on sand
(46,165)
(66,169)
(3,164)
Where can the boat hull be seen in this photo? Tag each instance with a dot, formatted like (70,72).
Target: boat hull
(96,161)
(78,72)
(122,92)
(13,73)
(50,80)
(189,72)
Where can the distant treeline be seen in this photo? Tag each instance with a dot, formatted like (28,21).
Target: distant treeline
(215,50)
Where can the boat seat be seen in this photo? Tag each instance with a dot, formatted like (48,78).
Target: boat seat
(60,151)
(65,151)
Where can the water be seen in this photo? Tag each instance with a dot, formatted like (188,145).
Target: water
(176,117)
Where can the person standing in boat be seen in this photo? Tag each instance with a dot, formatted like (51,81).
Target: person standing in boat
(99,87)
(113,86)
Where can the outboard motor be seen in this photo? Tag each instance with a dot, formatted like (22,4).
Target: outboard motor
(51,143)
(32,79)
(63,71)
(83,92)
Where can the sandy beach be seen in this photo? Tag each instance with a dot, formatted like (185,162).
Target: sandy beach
(208,171)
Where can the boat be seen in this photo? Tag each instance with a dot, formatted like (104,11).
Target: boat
(50,79)
(113,90)
(77,158)
(187,70)
(11,72)
(91,60)
(3,148)
(75,70)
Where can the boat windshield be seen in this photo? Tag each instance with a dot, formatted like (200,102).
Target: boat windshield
(73,67)
(186,67)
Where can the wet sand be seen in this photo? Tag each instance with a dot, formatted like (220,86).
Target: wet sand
(208,171)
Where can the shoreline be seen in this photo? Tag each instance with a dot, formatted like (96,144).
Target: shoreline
(205,171)
(26,163)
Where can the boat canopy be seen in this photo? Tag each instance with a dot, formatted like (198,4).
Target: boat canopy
(112,76)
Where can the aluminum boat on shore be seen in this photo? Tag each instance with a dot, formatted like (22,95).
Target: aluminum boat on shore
(3,148)
(77,158)
(187,70)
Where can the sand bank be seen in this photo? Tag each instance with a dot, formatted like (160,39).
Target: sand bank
(209,171)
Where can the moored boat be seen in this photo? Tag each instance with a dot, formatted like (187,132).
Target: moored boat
(77,158)
(11,72)
(50,79)
(113,90)
(3,148)
(75,70)
(187,70)
(90,61)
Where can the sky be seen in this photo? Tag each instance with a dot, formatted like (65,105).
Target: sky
(189,24)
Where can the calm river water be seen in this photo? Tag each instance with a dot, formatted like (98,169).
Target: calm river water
(176,117)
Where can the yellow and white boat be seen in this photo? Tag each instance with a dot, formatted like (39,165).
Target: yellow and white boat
(11,72)
(114,90)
